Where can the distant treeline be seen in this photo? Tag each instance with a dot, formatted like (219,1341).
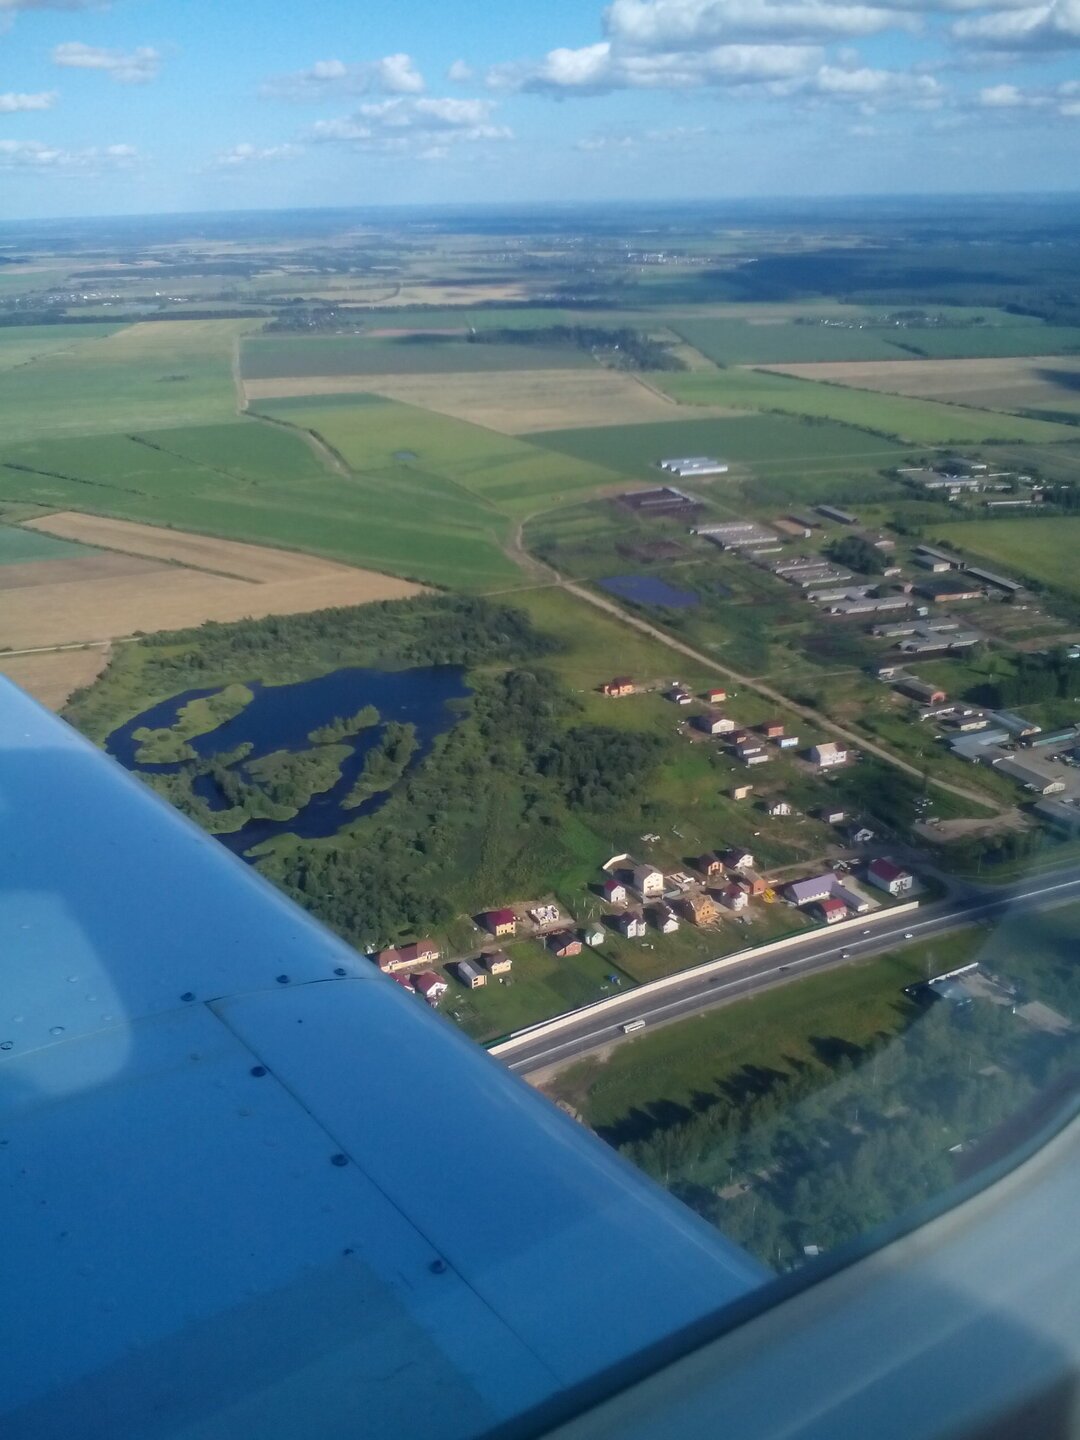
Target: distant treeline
(1034,678)
(623,348)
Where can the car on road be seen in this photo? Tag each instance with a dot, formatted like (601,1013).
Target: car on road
(908,935)
(845,954)
(866,932)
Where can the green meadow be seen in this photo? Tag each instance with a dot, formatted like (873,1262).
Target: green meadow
(1045,550)
(273,356)
(17,546)
(915,422)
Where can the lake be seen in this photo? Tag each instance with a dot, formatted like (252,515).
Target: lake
(649,590)
(280,717)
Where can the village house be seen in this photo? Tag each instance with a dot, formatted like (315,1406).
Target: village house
(614,891)
(631,924)
(860,834)
(500,922)
(828,754)
(713,723)
(496,962)
(889,877)
(649,882)
(756,757)
(405,981)
(810,890)
(564,944)
(664,918)
(421,952)
(832,909)
(470,975)
(741,792)
(709,864)
(788,742)
(745,752)
(855,902)
(833,817)
(593,935)
(431,986)
(700,909)
(778,807)
(772,730)
(737,859)
(741,737)
(751,882)
(716,696)
(620,686)
(734,898)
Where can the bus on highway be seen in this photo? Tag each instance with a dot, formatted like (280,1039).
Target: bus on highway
(632,1025)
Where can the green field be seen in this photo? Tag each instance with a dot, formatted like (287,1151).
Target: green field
(746,439)
(270,357)
(146,377)
(730,341)
(509,475)
(1045,550)
(21,344)
(916,422)
(268,486)
(18,546)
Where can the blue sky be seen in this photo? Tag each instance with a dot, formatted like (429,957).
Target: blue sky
(159,105)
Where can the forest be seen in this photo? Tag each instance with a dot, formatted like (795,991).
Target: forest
(785,1162)
(621,349)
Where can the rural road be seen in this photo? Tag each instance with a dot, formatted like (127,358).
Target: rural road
(776,696)
(820,951)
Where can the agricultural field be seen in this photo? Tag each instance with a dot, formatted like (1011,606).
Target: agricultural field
(756,440)
(909,421)
(868,336)
(276,486)
(512,404)
(276,356)
(148,376)
(22,344)
(21,547)
(502,472)
(53,676)
(1047,383)
(1046,550)
(153,579)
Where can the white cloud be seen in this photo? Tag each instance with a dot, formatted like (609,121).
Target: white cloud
(1011,98)
(863,84)
(42,100)
(1053,26)
(128,67)
(461,73)
(33,155)
(595,69)
(392,75)
(417,125)
(246,154)
(697,24)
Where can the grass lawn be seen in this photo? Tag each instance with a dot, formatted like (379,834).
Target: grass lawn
(1045,550)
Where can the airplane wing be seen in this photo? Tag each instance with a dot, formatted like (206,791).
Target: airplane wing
(252,1188)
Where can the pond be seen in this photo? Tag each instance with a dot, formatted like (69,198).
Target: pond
(649,590)
(280,717)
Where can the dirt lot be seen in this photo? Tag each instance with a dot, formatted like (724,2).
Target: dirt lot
(53,676)
(1049,382)
(512,403)
(200,579)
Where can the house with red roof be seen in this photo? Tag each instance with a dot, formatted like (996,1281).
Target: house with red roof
(501,922)
(431,986)
(832,909)
(889,877)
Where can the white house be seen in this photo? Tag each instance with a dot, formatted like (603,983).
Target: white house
(649,882)
(827,754)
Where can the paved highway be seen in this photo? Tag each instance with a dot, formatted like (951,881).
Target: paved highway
(820,951)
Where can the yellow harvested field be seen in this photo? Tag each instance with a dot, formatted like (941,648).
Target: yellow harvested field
(56,674)
(199,579)
(513,403)
(1049,382)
